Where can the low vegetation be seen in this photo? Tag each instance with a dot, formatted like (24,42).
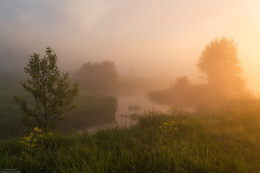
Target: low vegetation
(160,142)
(91,110)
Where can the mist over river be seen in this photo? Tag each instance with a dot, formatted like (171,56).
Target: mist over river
(128,108)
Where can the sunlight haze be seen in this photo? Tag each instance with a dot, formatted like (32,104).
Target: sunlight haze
(150,36)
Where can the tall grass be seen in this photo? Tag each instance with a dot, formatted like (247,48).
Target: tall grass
(160,142)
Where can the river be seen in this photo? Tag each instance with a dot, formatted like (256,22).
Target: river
(129,106)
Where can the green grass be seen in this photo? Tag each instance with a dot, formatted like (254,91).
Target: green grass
(208,142)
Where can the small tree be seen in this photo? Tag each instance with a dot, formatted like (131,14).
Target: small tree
(51,91)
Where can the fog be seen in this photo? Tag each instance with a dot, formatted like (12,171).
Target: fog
(152,37)
(129,85)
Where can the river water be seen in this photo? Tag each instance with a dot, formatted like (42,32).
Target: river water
(129,106)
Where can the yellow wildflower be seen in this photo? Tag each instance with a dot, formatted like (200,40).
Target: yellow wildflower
(27,138)
(36,129)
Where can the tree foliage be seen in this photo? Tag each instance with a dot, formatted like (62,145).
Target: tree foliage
(99,77)
(220,64)
(52,93)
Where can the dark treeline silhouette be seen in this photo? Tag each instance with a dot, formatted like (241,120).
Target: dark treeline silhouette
(98,77)
(224,87)
(102,78)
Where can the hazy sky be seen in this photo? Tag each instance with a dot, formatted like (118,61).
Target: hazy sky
(151,36)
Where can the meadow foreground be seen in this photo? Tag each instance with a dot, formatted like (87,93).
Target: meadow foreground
(160,142)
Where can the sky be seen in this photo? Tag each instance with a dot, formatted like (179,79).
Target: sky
(153,37)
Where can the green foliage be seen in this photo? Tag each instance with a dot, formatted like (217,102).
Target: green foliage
(51,91)
(168,128)
(209,142)
(91,110)
(32,141)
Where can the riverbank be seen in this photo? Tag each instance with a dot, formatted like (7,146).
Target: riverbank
(212,142)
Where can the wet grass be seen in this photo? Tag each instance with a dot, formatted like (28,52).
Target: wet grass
(160,142)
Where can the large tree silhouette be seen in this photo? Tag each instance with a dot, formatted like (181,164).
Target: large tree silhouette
(221,66)
(225,87)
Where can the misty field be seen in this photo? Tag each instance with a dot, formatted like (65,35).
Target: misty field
(160,142)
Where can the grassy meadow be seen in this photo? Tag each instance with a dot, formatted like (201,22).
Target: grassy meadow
(160,142)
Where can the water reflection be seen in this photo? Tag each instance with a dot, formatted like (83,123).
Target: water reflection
(128,108)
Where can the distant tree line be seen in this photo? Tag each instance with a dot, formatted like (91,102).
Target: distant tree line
(220,66)
(53,94)
(97,77)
